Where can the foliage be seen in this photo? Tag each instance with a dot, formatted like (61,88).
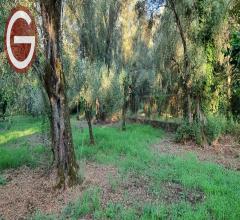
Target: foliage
(185,132)
(216,126)
(234,53)
(109,43)
(235,10)
(139,38)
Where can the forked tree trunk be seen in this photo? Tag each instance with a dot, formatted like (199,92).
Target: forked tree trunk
(54,84)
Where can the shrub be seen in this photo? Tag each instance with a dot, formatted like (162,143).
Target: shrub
(184,132)
(215,127)
(210,132)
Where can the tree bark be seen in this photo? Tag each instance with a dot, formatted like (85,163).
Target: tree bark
(91,137)
(88,116)
(54,83)
(125,104)
(229,91)
(113,15)
(100,111)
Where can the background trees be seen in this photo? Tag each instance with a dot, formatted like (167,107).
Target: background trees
(168,59)
(234,53)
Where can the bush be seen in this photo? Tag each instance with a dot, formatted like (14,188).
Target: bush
(233,127)
(215,127)
(210,132)
(184,132)
(187,132)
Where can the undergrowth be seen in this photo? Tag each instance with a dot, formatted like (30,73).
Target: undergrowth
(131,153)
(214,127)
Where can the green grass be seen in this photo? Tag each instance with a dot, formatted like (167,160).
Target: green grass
(20,128)
(23,155)
(3,181)
(130,151)
(15,149)
(114,144)
(88,203)
(220,186)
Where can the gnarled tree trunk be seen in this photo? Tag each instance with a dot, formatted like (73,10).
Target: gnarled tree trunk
(54,83)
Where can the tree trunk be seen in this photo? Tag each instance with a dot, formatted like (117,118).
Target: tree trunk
(125,105)
(229,91)
(124,118)
(54,83)
(88,116)
(100,111)
(91,137)
(189,103)
(112,18)
(186,78)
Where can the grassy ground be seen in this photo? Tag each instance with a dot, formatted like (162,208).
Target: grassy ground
(180,187)
(15,148)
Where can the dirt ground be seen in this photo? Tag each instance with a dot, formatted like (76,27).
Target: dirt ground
(225,151)
(29,190)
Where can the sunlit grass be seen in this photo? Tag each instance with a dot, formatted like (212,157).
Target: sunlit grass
(20,127)
(15,149)
(14,135)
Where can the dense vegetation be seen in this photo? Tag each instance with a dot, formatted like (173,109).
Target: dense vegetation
(106,61)
(174,59)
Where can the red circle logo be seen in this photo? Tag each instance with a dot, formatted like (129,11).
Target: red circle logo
(20,39)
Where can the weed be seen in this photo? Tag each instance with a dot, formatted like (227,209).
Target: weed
(88,203)
(3,181)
